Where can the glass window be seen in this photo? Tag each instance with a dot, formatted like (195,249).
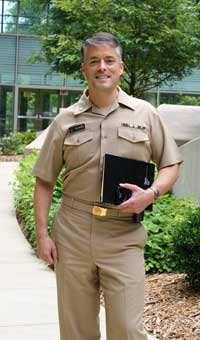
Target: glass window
(9,16)
(10,7)
(9,23)
(1,24)
(8,19)
(24,16)
(9,28)
(28,21)
(6,110)
(31,8)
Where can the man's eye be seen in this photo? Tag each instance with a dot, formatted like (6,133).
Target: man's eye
(93,62)
(110,61)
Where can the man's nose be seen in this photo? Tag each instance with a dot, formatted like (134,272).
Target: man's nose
(102,65)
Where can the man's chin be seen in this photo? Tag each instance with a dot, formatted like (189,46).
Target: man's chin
(103,86)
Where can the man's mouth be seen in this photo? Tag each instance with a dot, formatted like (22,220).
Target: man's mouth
(102,77)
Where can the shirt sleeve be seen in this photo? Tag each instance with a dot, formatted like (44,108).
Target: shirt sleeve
(165,152)
(50,159)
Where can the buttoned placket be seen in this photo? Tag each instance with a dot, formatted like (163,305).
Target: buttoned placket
(103,130)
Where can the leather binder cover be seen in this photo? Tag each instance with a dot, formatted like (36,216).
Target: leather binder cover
(118,170)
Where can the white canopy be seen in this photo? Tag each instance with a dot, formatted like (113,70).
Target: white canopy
(183,121)
(36,143)
(188,182)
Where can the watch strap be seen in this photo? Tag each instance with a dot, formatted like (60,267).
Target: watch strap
(155,191)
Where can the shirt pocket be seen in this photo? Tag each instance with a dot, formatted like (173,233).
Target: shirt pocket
(134,143)
(78,149)
(133,135)
(78,138)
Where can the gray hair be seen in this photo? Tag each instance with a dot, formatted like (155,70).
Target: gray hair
(102,38)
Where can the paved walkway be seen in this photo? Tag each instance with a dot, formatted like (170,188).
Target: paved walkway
(28,308)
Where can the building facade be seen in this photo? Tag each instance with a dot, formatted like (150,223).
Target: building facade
(30,94)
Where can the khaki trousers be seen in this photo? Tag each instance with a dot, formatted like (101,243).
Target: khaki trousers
(99,251)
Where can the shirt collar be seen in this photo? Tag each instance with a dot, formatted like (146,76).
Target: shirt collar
(84,102)
(125,99)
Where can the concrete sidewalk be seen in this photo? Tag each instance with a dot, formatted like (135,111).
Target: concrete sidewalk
(27,287)
(28,306)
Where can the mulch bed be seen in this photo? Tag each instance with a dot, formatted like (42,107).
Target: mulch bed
(172,309)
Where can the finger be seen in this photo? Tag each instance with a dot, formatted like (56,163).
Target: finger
(128,186)
(45,256)
(127,209)
(128,203)
(131,210)
(48,258)
(54,255)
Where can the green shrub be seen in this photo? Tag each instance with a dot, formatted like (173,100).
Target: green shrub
(186,246)
(15,143)
(160,224)
(188,100)
(23,188)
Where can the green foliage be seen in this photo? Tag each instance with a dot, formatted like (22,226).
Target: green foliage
(23,188)
(160,224)
(160,38)
(23,195)
(188,100)
(15,143)
(179,99)
(186,246)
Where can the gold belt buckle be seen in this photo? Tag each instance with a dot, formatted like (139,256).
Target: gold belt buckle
(99,211)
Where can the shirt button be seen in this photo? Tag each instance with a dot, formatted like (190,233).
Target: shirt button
(80,108)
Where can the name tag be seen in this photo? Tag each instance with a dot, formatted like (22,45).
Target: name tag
(76,128)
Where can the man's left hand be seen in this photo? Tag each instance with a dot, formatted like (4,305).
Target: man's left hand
(138,201)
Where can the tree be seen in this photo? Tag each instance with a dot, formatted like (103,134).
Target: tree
(160,38)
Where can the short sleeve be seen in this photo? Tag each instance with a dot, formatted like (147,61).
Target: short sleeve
(50,159)
(165,152)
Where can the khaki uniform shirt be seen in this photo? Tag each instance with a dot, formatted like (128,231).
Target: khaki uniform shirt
(80,135)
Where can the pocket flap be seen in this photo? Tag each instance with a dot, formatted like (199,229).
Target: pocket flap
(78,138)
(132,135)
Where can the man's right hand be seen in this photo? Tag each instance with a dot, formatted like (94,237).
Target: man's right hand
(46,250)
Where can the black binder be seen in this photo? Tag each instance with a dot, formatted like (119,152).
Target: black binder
(118,170)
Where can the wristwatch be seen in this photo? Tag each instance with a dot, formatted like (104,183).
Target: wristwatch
(155,191)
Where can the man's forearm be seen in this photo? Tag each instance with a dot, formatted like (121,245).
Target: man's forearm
(166,178)
(42,201)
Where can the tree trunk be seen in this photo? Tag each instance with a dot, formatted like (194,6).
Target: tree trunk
(132,84)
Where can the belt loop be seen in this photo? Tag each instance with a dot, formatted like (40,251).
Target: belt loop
(72,202)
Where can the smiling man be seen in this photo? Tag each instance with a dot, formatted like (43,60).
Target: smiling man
(102,68)
(90,249)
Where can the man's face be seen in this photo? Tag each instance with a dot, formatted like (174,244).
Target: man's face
(102,67)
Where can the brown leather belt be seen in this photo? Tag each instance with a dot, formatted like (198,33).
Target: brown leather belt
(97,210)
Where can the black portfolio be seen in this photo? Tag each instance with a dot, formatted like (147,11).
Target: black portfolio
(118,170)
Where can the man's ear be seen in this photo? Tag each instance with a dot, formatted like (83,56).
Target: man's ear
(83,69)
(122,68)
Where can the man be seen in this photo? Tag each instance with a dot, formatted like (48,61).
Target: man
(90,250)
